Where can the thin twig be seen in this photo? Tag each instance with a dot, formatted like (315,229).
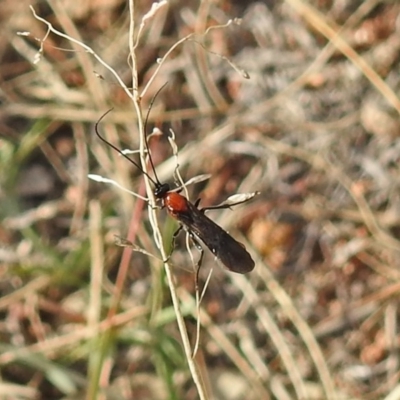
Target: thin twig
(153,218)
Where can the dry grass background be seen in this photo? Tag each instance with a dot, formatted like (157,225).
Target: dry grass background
(315,129)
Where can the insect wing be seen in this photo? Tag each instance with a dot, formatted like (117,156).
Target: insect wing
(232,254)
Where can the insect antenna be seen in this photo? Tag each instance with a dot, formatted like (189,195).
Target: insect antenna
(145,129)
(155,182)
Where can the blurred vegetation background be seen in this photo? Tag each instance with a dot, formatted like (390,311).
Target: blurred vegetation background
(315,129)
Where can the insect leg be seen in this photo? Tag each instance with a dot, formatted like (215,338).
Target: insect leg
(199,247)
(217,207)
(174,236)
(230,202)
(220,206)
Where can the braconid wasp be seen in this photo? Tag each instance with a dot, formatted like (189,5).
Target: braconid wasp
(231,253)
